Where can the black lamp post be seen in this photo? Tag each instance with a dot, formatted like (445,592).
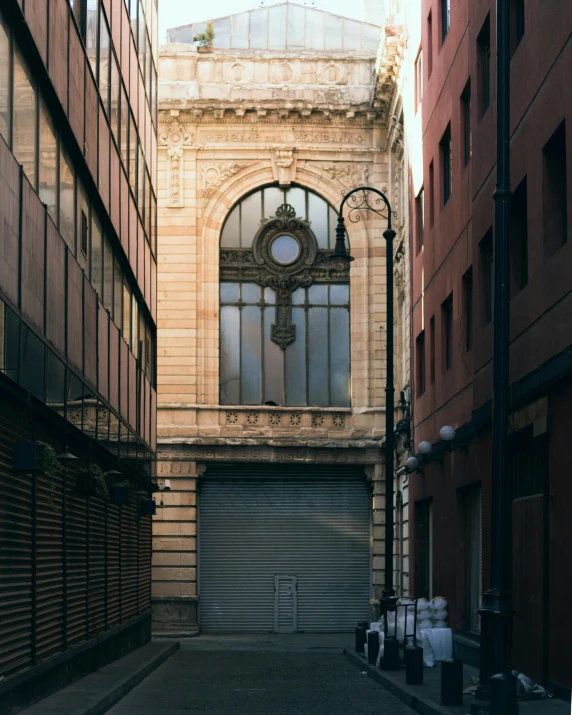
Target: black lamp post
(358,200)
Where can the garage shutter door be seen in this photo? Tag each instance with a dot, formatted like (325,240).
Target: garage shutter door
(283,550)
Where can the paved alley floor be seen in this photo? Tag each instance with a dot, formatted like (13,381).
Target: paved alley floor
(260,675)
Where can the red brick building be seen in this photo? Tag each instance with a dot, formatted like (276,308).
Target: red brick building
(453,264)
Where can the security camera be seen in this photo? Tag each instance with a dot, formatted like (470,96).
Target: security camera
(167,484)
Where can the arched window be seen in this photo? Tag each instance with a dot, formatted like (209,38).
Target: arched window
(284,321)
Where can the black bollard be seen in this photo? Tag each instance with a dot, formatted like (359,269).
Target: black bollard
(372,647)
(361,636)
(452,682)
(390,660)
(502,689)
(414,665)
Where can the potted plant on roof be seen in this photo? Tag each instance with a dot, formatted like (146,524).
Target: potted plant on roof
(34,457)
(204,40)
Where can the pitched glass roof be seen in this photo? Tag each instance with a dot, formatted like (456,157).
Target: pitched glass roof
(287,26)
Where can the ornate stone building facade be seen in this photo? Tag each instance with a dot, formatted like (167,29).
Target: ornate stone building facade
(257,331)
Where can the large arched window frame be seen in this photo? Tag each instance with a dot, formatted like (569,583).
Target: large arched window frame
(284,320)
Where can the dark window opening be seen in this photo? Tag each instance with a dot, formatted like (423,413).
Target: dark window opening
(429,45)
(516,24)
(554,192)
(519,239)
(423,550)
(83,238)
(420,344)
(472,507)
(466,120)
(420,219)
(433,348)
(445,18)
(446,164)
(468,308)
(484,67)
(447,327)
(487,273)
(431,195)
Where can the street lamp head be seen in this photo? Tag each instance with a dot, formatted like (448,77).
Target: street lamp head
(340,258)
(424,447)
(412,463)
(447,433)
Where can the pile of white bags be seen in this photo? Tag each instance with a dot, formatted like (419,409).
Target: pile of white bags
(439,613)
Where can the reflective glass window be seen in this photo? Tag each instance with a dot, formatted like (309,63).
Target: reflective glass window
(107,275)
(24,127)
(96,255)
(117,294)
(127,313)
(91,34)
(48,163)
(104,53)
(4,81)
(32,373)
(115,95)
(67,208)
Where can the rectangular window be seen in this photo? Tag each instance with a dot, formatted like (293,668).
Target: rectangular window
(82,212)
(124,129)
(484,67)
(431,195)
(473,556)
(487,276)
(132,155)
(117,294)
(67,199)
(96,255)
(447,328)
(141,181)
(91,34)
(48,163)
(83,229)
(104,52)
(554,192)
(446,164)
(5,81)
(423,550)
(24,119)
(134,326)
(126,313)
(418,79)
(107,275)
(114,104)
(445,18)
(519,239)
(420,350)
(420,219)
(466,120)
(433,348)
(468,308)
(516,24)
(429,45)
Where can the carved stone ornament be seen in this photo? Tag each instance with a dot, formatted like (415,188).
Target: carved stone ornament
(333,73)
(214,174)
(347,173)
(284,166)
(175,138)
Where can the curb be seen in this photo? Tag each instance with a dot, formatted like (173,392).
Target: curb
(108,697)
(425,706)
(118,691)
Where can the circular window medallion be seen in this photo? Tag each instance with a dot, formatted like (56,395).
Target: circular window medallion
(285,249)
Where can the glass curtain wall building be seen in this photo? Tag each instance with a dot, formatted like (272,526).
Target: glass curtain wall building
(78,112)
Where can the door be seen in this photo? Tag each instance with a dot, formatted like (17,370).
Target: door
(285,604)
(283,548)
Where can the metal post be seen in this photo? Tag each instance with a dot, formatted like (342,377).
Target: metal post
(388,600)
(497,613)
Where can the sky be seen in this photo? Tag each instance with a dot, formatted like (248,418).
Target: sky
(173,13)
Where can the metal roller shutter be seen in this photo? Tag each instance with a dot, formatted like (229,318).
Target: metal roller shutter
(283,549)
